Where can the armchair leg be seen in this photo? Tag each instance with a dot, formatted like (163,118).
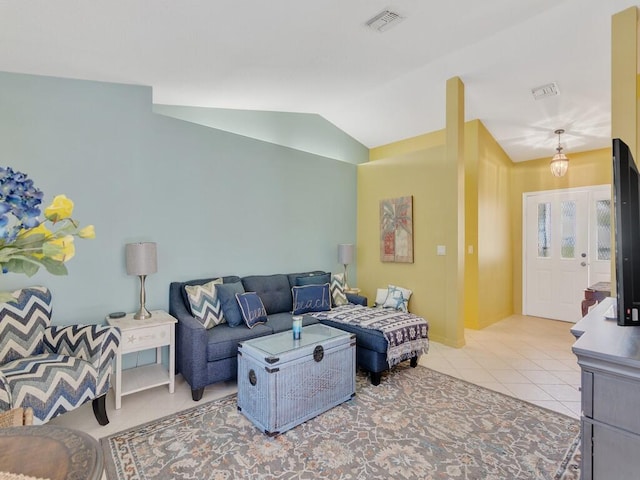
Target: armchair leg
(100,409)
(197,393)
(414,361)
(375,378)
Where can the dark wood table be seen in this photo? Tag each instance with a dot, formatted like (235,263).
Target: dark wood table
(595,294)
(52,452)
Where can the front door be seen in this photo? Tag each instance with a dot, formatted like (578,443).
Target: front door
(565,249)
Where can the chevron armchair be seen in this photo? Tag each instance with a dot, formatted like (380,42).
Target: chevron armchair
(52,369)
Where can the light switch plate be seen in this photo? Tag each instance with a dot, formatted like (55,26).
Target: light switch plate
(442,250)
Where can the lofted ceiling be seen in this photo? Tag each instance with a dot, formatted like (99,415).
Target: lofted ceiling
(320,57)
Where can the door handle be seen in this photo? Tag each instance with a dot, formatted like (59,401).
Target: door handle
(584,264)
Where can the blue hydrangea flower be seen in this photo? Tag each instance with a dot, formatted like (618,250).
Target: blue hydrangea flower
(19,204)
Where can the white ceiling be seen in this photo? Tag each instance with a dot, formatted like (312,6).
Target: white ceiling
(319,57)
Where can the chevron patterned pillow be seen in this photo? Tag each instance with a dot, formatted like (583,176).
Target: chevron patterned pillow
(204,302)
(338,297)
(22,323)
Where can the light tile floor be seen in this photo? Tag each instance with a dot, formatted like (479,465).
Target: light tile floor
(526,357)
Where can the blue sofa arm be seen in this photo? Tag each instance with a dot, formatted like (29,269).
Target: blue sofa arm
(191,340)
(357,299)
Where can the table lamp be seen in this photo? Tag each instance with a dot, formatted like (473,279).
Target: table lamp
(345,257)
(141,259)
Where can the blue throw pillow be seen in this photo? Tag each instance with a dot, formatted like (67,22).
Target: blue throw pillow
(252,308)
(227,295)
(313,279)
(311,298)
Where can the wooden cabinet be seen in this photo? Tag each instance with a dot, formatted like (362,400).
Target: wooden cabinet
(609,357)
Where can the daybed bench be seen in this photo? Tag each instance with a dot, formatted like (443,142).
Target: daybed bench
(206,356)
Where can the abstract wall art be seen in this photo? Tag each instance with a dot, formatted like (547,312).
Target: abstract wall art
(396,230)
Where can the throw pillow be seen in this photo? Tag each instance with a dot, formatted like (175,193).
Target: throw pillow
(337,290)
(205,304)
(398,298)
(252,308)
(381,296)
(313,279)
(227,295)
(311,298)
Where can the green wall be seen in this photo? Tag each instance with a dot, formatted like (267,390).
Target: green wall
(216,203)
(302,131)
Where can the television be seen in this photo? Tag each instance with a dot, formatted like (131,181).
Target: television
(626,200)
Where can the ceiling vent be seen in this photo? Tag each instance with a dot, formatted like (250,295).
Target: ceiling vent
(384,21)
(548,90)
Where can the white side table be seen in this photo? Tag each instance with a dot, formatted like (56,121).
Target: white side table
(155,332)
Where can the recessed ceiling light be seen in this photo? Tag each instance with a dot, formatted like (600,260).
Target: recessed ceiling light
(384,20)
(548,90)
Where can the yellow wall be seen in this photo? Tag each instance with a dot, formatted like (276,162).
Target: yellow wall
(585,169)
(488,257)
(414,144)
(419,174)
(454,205)
(625,91)
(417,167)
(624,77)
(471,267)
(493,192)
(494,248)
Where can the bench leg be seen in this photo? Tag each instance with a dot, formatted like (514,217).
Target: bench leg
(375,378)
(197,393)
(414,361)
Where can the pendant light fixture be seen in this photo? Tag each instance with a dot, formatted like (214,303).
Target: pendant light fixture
(559,163)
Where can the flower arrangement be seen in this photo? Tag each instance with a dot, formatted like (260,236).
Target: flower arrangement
(26,242)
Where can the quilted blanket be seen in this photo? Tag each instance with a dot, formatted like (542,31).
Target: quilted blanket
(406,333)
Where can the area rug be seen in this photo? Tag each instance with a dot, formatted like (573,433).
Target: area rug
(417,424)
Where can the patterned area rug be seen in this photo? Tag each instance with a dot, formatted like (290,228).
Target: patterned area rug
(417,424)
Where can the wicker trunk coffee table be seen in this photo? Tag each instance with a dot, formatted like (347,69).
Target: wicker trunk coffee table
(284,382)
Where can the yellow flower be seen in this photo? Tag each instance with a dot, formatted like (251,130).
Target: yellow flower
(63,248)
(60,208)
(39,230)
(87,232)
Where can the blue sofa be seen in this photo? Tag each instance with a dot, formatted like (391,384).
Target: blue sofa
(205,357)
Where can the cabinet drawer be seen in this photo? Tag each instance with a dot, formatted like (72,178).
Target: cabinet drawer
(614,453)
(615,401)
(143,338)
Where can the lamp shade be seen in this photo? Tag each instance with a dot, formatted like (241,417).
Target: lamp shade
(346,253)
(559,164)
(141,258)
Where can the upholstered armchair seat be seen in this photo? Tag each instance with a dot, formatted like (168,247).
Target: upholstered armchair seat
(52,369)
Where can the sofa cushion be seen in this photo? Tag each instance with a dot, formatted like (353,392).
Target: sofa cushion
(313,279)
(381,296)
(273,290)
(398,298)
(365,337)
(252,309)
(281,322)
(227,295)
(205,304)
(311,298)
(338,296)
(294,276)
(223,340)
(202,281)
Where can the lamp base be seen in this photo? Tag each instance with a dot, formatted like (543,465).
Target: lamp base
(142,314)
